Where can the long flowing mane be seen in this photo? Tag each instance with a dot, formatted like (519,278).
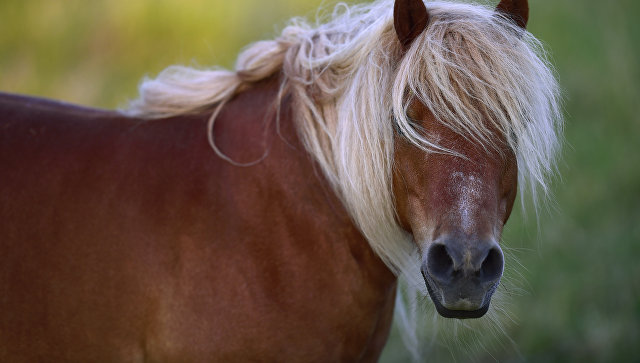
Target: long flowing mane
(351,83)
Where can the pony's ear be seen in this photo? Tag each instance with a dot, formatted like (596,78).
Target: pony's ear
(516,10)
(410,18)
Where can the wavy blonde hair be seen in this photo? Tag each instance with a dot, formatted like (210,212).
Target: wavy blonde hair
(351,83)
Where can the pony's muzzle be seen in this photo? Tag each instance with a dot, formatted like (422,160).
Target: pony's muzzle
(461,275)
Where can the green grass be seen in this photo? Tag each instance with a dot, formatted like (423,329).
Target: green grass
(582,276)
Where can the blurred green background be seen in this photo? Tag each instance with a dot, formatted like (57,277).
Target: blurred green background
(578,265)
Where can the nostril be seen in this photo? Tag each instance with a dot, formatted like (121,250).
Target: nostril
(439,263)
(492,265)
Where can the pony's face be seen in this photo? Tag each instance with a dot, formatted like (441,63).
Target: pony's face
(454,204)
(455,207)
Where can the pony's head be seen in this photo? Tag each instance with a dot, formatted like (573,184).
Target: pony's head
(455,200)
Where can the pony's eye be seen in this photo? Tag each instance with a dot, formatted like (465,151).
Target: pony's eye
(400,130)
(415,125)
(413,122)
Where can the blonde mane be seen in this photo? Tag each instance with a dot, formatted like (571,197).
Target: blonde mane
(351,82)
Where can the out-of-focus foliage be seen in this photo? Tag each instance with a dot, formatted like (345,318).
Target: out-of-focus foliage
(580,274)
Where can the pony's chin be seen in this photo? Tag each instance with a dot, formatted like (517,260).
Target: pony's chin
(457,314)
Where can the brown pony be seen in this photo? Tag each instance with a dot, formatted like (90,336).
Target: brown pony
(382,144)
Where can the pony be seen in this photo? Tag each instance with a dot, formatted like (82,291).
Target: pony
(283,210)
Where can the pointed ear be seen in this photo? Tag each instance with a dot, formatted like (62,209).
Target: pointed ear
(410,18)
(517,10)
